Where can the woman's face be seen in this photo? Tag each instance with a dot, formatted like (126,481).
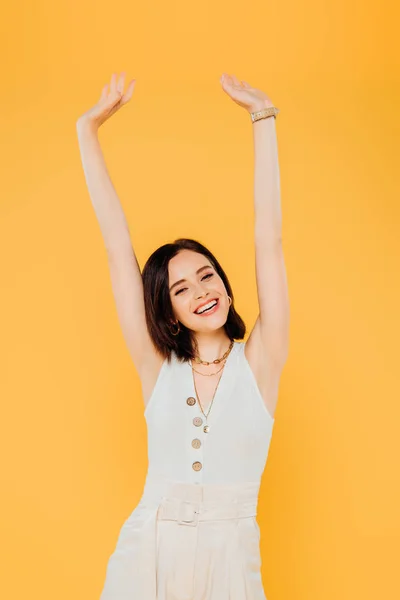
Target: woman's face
(193,284)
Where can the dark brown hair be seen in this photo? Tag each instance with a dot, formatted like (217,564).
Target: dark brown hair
(158,306)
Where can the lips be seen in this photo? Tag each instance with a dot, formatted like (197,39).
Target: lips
(207,302)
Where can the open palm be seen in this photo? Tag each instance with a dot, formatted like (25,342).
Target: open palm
(244,94)
(112,98)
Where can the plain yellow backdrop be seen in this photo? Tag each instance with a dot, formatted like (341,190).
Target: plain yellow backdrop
(73,436)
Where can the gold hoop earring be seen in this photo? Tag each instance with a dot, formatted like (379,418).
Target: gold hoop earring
(173,333)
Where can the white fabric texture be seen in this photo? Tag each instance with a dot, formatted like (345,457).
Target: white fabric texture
(194,534)
(236,447)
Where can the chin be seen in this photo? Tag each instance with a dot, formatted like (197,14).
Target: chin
(210,325)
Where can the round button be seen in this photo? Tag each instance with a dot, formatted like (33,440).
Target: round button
(196,443)
(197,421)
(197,466)
(191,401)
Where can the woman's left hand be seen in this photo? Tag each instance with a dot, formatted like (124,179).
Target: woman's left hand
(243,94)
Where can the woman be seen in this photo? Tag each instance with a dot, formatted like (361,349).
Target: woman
(209,400)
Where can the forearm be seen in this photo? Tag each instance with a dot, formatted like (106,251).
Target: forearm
(267,205)
(106,204)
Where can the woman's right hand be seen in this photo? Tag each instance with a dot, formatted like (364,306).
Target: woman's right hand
(111,100)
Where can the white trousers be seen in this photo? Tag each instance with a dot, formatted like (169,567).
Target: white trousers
(188,542)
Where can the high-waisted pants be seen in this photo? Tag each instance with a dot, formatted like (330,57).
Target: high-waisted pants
(187,541)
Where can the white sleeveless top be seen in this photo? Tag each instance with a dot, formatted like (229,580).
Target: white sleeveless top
(235,449)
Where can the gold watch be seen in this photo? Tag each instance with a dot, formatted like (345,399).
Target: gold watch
(270,111)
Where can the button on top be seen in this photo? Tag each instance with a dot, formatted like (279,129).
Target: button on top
(191,401)
(197,466)
(196,443)
(197,421)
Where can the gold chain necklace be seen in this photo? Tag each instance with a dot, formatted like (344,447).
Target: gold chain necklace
(207,427)
(208,374)
(217,360)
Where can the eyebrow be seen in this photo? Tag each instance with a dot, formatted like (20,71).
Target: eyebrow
(183,280)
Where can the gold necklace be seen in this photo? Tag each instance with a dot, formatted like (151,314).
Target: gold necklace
(206,427)
(198,360)
(208,374)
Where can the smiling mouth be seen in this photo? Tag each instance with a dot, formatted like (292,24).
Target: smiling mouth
(213,305)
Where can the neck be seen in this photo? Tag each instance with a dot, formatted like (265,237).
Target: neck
(212,345)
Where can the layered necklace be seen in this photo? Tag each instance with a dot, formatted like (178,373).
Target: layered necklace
(198,360)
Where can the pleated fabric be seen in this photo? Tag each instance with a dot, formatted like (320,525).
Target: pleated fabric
(194,533)
(188,542)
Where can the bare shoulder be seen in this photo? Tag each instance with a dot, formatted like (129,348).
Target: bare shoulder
(149,371)
(266,372)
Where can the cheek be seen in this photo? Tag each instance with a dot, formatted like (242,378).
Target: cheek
(180,305)
(219,287)
(218,283)
(174,303)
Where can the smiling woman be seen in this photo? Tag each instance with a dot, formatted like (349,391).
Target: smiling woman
(209,399)
(178,279)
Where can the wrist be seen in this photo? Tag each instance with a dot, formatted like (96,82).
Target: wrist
(260,106)
(86,126)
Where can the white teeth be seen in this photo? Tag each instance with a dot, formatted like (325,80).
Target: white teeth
(203,308)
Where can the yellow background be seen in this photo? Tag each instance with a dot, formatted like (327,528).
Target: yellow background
(73,435)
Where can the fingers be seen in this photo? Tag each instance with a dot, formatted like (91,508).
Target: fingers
(121,83)
(104,93)
(233,80)
(128,94)
(113,84)
(236,81)
(117,85)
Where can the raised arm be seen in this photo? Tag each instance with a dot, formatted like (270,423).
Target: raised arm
(124,270)
(267,346)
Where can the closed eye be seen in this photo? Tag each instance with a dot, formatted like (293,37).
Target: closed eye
(204,277)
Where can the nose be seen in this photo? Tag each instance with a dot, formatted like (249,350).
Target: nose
(199,293)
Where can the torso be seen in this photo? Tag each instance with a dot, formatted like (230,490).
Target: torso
(207,385)
(232,441)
